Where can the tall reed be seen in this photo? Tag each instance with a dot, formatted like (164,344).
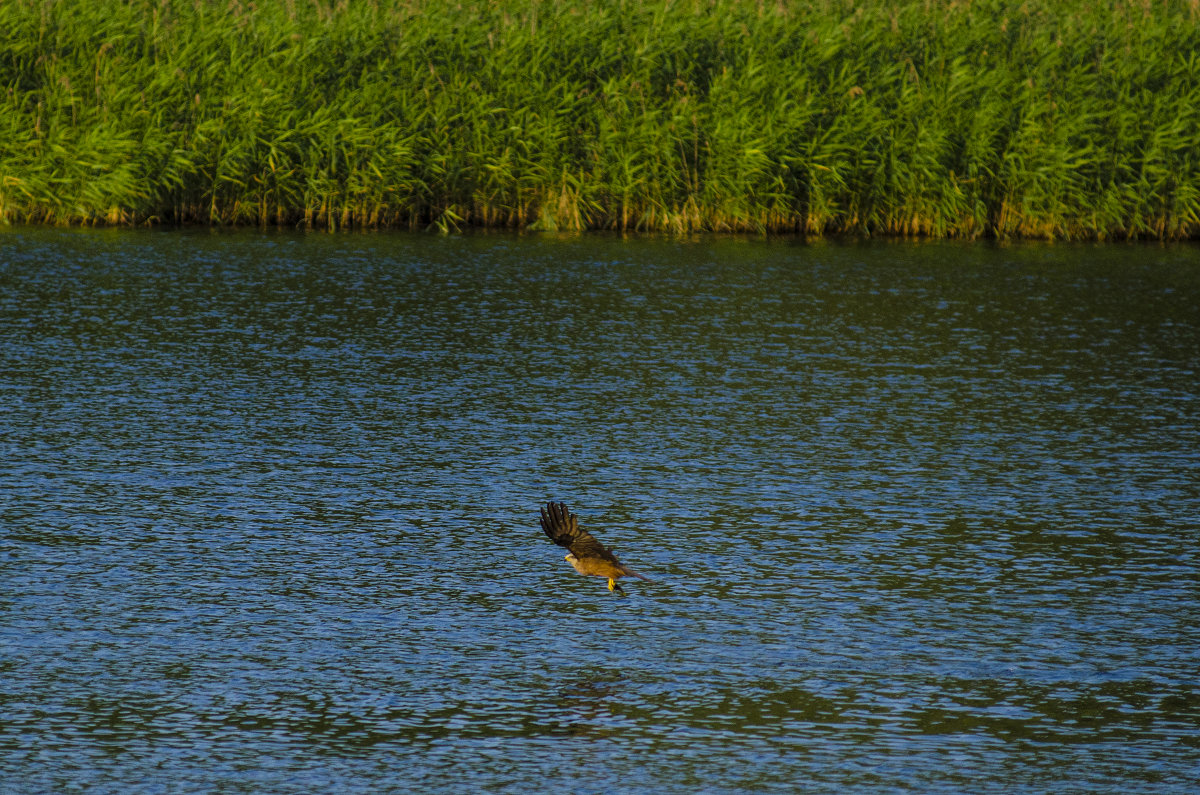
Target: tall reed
(1073,118)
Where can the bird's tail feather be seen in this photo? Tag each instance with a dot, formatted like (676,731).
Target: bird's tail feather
(628,572)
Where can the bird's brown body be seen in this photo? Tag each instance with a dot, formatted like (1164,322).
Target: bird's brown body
(588,556)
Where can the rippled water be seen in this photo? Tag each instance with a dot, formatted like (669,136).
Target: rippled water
(919,517)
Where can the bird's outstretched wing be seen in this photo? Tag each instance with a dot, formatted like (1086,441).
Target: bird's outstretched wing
(563,528)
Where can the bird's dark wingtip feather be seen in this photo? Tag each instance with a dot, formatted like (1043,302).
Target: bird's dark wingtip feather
(557,522)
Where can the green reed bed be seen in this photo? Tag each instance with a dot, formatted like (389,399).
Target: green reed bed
(1073,118)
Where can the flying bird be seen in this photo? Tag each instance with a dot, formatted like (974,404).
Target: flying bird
(588,555)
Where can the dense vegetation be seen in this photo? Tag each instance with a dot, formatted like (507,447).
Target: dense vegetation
(1048,118)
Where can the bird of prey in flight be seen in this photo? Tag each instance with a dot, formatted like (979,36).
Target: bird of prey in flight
(588,555)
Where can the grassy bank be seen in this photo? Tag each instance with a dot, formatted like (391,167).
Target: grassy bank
(1078,118)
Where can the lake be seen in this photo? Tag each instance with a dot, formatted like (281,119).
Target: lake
(919,517)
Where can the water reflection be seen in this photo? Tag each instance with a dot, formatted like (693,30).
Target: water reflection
(920,517)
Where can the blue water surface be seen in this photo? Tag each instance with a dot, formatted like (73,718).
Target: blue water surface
(918,517)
